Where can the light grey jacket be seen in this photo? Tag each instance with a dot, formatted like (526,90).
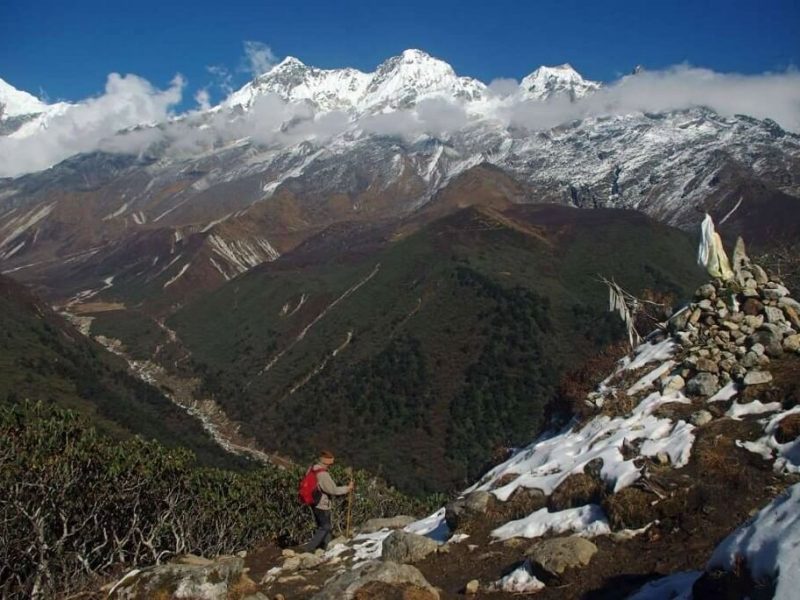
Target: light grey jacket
(328,488)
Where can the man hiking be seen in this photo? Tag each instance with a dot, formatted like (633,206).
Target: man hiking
(325,488)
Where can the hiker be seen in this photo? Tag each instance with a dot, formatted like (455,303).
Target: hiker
(320,499)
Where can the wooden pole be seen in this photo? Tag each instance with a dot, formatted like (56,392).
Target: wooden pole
(350,507)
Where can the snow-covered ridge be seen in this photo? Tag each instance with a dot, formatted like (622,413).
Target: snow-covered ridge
(398,82)
(14,102)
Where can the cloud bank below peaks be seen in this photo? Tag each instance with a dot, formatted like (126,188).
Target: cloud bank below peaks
(128,101)
(770,95)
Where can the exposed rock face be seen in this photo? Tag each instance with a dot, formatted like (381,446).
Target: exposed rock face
(347,585)
(210,581)
(558,554)
(462,509)
(404,547)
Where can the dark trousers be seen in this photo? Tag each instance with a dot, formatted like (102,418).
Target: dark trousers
(323,533)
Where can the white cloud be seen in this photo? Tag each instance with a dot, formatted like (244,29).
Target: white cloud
(130,101)
(258,58)
(127,101)
(203,99)
(770,95)
(503,87)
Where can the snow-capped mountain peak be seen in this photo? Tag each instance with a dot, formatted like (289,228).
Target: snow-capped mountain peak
(398,82)
(14,102)
(402,80)
(546,82)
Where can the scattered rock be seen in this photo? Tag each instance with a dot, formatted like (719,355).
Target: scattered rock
(559,554)
(703,384)
(706,291)
(211,581)
(461,510)
(348,583)
(760,275)
(791,343)
(707,365)
(472,587)
(701,417)
(397,522)
(774,314)
(674,382)
(753,306)
(404,547)
(757,377)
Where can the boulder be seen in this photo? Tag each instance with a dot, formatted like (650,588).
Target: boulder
(674,382)
(774,314)
(760,275)
(210,581)
(703,384)
(463,509)
(757,377)
(701,417)
(791,343)
(397,522)
(788,429)
(347,585)
(472,587)
(788,301)
(403,547)
(707,365)
(774,291)
(753,307)
(706,291)
(556,555)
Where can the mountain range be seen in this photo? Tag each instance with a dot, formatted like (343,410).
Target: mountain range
(299,189)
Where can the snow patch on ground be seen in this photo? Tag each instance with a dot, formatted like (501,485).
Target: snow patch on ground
(588,520)
(520,581)
(769,543)
(756,407)
(726,393)
(786,456)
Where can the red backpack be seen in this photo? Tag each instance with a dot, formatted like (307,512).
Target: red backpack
(309,492)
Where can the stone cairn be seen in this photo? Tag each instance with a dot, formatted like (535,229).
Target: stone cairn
(733,328)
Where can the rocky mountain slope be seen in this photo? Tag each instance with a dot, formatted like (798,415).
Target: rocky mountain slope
(300,149)
(680,480)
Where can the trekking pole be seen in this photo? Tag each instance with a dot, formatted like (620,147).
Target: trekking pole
(350,506)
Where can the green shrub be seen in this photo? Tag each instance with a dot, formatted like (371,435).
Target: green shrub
(74,504)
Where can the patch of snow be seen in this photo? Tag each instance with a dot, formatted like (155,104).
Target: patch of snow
(117,212)
(726,393)
(178,276)
(139,218)
(648,352)
(756,407)
(648,380)
(520,581)
(769,543)
(13,251)
(677,444)
(433,526)
(588,520)
(24,222)
(546,463)
(787,456)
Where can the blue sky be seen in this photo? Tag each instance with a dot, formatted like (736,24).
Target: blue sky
(67,49)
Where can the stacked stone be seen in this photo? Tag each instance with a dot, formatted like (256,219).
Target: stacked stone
(732,330)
